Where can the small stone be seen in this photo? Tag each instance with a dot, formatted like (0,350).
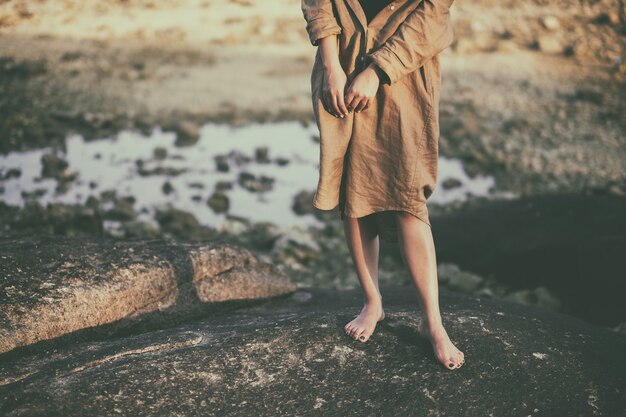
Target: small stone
(255,184)
(549,44)
(451,183)
(507,45)
(52,166)
(221,163)
(281,161)
(198,185)
(160,153)
(233,226)
(11,173)
(261,155)
(122,211)
(546,300)
(219,202)
(187,133)
(303,203)
(550,22)
(167,188)
(457,280)
(223,185)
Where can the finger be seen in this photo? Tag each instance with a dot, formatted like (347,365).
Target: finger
(348,98)
(335,106)
(325,103)
(352,101)
(328,103)
(367,105)
(342,104)
(360,106)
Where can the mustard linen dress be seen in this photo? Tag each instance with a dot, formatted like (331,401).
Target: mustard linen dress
(385,158)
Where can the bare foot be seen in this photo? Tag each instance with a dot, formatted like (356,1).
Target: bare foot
(362,327)
(446,352)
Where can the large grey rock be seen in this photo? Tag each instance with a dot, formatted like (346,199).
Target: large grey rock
(53,285)
(290,356)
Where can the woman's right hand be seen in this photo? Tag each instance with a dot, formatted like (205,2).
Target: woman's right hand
(333,91)
(334,78)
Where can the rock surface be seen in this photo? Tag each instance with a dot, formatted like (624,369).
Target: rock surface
(289,356)
(53,285)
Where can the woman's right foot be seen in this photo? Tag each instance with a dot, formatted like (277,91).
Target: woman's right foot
(362,327)
(445,351)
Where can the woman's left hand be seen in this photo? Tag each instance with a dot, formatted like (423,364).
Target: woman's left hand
(362,89)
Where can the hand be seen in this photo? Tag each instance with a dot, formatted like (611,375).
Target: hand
(362,89)
(332,91)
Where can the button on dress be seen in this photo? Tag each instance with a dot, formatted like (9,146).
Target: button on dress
(383,159)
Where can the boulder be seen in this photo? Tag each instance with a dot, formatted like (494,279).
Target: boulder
(290,356)
(53,285)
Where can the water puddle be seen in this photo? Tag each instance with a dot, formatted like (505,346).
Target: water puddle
(264,181)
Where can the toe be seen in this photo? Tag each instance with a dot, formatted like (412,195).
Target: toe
(454,361)
(355,332)
(352,331)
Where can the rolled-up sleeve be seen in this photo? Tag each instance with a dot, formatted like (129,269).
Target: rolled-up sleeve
(425,33)
(320,19)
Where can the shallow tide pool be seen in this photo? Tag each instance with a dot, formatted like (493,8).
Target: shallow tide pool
(111,164)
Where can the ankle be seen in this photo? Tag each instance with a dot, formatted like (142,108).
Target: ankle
(374,299)
(372,302)
(432,322)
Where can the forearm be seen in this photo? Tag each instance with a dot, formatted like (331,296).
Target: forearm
(329,52)
(426,32)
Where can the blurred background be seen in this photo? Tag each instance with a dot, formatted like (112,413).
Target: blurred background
(192,120)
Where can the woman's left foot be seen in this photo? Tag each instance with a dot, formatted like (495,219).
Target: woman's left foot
(445,351)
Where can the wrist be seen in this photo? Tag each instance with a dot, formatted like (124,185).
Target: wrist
(377,71)
(331,65)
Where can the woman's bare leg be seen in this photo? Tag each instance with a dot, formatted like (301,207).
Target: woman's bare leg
(418,251)
(362,239)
